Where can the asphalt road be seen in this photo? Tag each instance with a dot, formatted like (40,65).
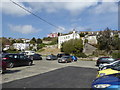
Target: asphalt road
(50,74)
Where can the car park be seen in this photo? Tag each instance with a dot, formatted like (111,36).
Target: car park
(51,57)
(102,60)
(108,82)
(111,70)
(3,66)
(16,60)
(65,59)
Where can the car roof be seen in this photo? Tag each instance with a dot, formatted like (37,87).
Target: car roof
(13,54)
(105,57)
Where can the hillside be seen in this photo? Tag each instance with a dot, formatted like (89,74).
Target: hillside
(50,50)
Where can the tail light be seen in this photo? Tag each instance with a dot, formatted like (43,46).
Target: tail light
(5,58)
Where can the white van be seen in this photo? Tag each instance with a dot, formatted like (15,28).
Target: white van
(29,52)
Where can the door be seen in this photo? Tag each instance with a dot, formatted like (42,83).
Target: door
(23,59)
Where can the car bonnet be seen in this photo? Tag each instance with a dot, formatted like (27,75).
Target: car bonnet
(113,79)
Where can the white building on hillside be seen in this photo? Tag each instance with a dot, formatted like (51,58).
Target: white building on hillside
(21,46)
(91,39)
(64,38)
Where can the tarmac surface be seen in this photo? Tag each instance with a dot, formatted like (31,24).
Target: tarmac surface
(50,74)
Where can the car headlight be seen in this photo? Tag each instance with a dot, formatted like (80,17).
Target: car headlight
(102,74)
(101,85)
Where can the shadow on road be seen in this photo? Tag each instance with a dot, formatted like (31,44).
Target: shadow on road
(11,71)
(67,77)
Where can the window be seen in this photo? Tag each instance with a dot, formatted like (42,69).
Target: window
(22,56)
(10,56)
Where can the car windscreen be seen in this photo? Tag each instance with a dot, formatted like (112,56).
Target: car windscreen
(116,67)
(65,57)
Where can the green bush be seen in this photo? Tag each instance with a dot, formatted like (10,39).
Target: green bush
(81,55)
(72,46)
(12,51)
(116,55)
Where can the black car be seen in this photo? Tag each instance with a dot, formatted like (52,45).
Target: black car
(16,60)
(65,59)
(102,60)
(62,54)
(35,57)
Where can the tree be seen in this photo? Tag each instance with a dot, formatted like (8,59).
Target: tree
(19,41)
(5,41)
(38,41)
(13,41)
(33,41)
(82,34)
(73,46)
(116,42)
(105,40)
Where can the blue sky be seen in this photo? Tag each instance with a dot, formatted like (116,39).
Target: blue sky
(84,16)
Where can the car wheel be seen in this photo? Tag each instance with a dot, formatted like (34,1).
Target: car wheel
(104,68)
(31,57)
(29,63)
(1,71)
(11,65)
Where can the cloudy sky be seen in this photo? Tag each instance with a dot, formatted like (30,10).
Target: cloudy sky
(90,15)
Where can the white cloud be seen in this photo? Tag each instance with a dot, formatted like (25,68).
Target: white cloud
(12,9)
(72,7)
(24,29)
(76,19)
(83,28)
(60,29)
(105,7)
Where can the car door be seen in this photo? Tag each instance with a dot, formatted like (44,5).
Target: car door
(23,60)
(16,59)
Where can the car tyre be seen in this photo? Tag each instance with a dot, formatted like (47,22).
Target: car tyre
(29,63)
(104,68)
(11,65)
(1,71)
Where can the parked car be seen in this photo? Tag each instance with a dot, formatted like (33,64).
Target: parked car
(16,60)
(3,66)
(27,52)
(51,57)
(62,54)
(65,59)
(105,66)
(108,82)
(74,58)
(35,57)
(102,60)
(115,68)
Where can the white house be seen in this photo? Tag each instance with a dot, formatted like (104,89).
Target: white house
(92,39)
(21,46)
(64,38)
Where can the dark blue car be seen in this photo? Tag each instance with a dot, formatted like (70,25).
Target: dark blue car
(106,82)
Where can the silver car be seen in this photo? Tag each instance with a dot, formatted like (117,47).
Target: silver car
(51,57)
(65,59)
